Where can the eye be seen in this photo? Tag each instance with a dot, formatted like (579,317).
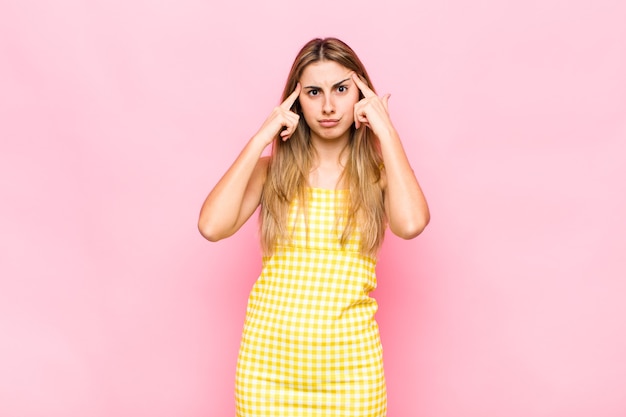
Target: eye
(342,88)
(313,92)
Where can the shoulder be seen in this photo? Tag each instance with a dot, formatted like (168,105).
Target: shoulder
(263,163)
(383,178)
(260,170)
(260,173)
(262,166)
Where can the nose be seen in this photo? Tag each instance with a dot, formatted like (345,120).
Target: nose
(329,106)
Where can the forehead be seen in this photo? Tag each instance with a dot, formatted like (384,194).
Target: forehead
(324,73)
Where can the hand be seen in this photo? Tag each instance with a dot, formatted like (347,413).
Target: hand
(371,111)
(282,120)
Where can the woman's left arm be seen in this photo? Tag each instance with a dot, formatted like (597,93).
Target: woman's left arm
(407,210)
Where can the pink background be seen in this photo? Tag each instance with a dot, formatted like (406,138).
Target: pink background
(117,117)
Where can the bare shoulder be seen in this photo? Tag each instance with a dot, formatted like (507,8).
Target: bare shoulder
(263,163)
(383,178)
(260,171)
(254,190)
(255,185)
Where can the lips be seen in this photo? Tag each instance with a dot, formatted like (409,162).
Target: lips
(329,122)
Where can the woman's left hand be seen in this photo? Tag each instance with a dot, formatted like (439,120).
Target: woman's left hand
(371,111)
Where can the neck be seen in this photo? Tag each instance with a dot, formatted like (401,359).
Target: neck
(330,160)
(330,151)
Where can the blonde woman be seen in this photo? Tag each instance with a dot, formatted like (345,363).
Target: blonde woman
(336,178)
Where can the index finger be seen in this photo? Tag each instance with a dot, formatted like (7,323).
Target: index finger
(367,92)
(291,98)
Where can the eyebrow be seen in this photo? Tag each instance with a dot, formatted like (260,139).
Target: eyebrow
(334,85)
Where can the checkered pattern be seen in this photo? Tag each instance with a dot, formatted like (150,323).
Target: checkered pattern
(310,344)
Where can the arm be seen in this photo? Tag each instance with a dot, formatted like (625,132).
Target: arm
(238,193)
(236,196)
(405,204)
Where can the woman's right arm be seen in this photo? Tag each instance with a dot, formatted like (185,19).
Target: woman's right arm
(235,197)
(238,193)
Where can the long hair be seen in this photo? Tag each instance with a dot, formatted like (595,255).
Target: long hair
(291,162)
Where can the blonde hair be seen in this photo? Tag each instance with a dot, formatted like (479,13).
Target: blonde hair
(291,162)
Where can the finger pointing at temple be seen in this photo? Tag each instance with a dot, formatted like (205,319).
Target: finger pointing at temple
(367,92)
(288,103)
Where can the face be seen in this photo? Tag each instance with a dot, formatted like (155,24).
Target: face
(327,100)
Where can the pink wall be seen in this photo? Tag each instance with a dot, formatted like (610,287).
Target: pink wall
(117,117)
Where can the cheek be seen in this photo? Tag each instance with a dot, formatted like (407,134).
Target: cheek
(353,98)
(306,108)
(349,112)
(309,114)
(349,105)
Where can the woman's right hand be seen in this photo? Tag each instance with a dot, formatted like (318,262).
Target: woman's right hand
(282,120)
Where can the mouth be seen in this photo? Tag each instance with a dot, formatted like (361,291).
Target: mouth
(329,122)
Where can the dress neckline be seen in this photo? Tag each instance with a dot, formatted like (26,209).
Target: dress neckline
(327,189)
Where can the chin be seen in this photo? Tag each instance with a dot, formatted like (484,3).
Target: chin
(332,135)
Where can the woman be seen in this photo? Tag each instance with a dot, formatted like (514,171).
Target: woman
(336,178)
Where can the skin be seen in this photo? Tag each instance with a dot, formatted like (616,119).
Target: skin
(329,97)
(327,100)
(405,203)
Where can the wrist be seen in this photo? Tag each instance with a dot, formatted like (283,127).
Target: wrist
(386,134)
(261,140)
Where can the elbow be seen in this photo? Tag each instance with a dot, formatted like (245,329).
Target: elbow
(209,231)
(411,229)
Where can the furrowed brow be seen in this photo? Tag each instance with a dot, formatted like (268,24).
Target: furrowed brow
(341,82)
(314,87)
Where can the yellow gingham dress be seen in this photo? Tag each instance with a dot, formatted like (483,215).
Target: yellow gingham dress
(310,344)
